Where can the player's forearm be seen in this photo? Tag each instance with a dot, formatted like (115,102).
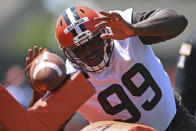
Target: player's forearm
(165,22)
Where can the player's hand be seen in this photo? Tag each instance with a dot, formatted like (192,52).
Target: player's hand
(32,53)
(120,28)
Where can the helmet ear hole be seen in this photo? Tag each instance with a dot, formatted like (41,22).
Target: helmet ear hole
(61,23)
(82,10)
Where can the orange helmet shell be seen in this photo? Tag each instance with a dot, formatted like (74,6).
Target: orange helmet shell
(74,21)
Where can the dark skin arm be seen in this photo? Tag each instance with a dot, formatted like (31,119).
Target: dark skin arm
(171,25)
(161,25)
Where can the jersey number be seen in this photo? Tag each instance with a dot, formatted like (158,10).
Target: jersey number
(126,103)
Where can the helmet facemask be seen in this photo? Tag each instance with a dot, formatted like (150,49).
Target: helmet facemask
(90,52)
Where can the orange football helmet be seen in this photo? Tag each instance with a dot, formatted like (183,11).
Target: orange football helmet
(81,41)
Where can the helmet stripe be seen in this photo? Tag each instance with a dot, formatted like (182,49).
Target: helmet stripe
(67,20)
(77,17)
(73,21)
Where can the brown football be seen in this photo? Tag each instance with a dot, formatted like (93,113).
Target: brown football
(47,71)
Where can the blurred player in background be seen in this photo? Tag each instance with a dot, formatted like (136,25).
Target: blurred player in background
(185,83)
(130,81)
(18,89)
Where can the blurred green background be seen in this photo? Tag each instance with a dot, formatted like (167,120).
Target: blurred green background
(25,23)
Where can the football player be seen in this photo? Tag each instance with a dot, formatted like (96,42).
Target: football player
(114,49)
(185,73)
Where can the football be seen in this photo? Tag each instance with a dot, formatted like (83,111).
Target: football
(47,71)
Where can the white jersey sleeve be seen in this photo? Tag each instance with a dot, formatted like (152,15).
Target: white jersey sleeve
(134,88)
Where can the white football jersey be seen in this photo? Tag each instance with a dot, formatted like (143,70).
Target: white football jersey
(134,88)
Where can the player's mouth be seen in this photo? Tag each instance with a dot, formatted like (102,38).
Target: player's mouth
(93,60)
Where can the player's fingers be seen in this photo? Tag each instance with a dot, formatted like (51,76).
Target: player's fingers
(116,15)
(102,19)
(28,61)
(111,16)
(41,49)
(30,54)
(36,51)
(102,24)
(107,36)
(105,13)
